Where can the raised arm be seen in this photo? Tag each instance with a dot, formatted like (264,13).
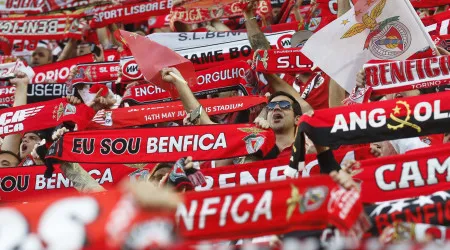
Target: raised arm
(187,97)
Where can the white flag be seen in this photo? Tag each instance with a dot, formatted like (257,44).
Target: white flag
(387,30)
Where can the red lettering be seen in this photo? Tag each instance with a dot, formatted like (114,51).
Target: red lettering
(428,213)
(409,216)
(372,76)
(419,68)
(383,71)
(431,72)
(397,72)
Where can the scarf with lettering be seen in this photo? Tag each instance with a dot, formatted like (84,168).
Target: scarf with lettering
(58,27)
(168,111)
(130,70)
(129,13)
(222,78)
(146,145)
(29,183)
(430,209)
(437,24)
(282,61)
(37,116)
(7,69)
(90,73)
(372,122)
(398,76)
(37,92)
(428,3)
(267,209)
(58,72)
(416,232)
(99,216)
(209,10)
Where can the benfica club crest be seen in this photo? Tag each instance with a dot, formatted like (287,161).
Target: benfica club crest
(387,39)
(253,141)
(311,200)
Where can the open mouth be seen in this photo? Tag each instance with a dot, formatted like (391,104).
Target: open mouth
(24,148)
(277,116)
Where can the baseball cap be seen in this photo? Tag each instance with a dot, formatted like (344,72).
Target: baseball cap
(300,37)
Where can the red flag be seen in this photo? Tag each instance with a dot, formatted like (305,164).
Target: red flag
(153,57)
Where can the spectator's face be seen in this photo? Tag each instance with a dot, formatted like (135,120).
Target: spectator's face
(403,94)
(8,161)
(27,145)
(275,11)
(41,56)
(83,49)
(281,117)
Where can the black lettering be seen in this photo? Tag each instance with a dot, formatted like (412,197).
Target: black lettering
(221,34)
(22,186)
(218,56)
(182,36)
(209,34)
(105,146)
(195,59)
(137,145)
(88,148)
(234,53)
(194,38)
(246,50)
(77,142)
(4,183)
(206,58)
(119,146)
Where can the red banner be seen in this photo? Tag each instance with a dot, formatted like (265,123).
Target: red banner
(168,111)
(420,172)
(209,142)
(96,72)
(59,72)
(282,61)
(428,3)
(129,13)
(221,78)
(43,115)
(58,27)
(267,209)
(29,183)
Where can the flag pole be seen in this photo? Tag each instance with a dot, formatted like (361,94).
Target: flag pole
(422,27)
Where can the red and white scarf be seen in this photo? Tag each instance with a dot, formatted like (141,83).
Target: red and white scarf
(282,61)
(28,183)
(43,115)
(59,72)
(58,27)
(129,13)
(90,73)
(168,111)
(428,3)
(437,24)
(146,145)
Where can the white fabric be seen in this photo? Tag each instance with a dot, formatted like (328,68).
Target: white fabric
(402,146)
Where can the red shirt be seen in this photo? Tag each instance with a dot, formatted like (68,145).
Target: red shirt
(315,90)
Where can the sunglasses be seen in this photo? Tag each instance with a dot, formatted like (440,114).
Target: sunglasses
(281,104)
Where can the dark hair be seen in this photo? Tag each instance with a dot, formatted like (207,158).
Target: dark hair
(160,166)
(10,153)
(295,105)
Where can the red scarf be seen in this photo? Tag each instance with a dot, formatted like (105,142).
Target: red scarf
(130,70)
(58,27)
(59,72)
(401,176)
(376,121)
(266,209)
(214,80)
(96,72)
(29,183)
(428,3)
(437,24)
(165,112)
(398,76)
(37,116)
(129,13)
(211,10)
(146,145)
(282,61)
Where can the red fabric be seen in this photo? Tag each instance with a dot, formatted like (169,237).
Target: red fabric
(58,72)
(95,72)
(264,209)
(144,51)
(28,183)
(129,13)
(43,115)
(282,61)
(208,142)
(428,3)
(231,76)
(402,176)
(168,111)
(317,86)
(440,21)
